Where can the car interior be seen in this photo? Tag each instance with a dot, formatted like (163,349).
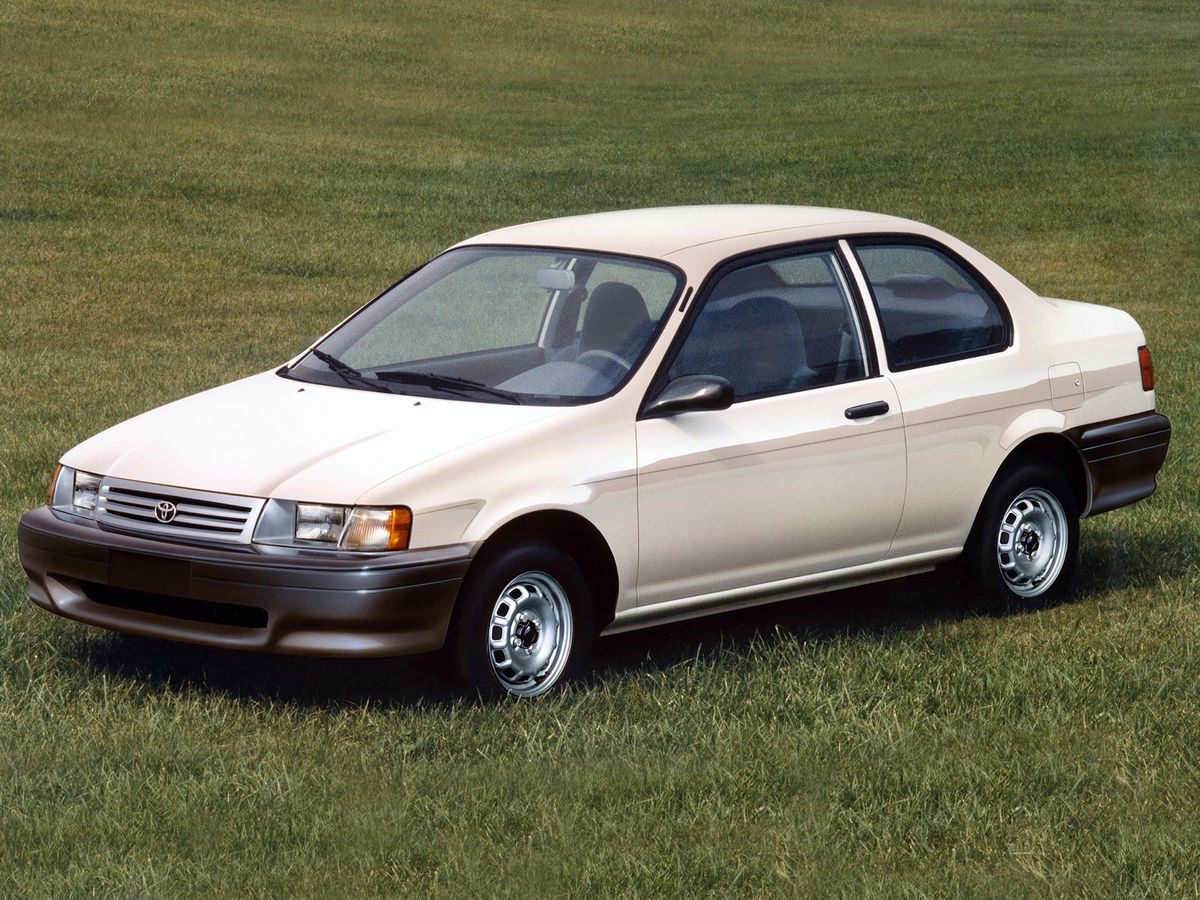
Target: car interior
(926,318)
(614,328)
(762,334)
(766,332)
(767,336)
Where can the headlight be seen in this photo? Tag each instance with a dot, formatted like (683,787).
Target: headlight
(74,492)
(353,528)
(85,492)
(319,523)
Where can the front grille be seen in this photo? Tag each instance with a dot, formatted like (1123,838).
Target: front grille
(196,515)
(207,611)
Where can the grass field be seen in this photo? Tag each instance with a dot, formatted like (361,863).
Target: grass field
(189,192)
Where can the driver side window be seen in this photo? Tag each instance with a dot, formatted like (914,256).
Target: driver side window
(776,327)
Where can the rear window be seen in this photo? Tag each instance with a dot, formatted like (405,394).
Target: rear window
(931,310)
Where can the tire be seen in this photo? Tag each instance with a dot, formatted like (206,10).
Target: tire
(523,623)
(1024,547)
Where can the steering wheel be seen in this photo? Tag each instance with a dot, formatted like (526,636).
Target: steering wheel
(608,356)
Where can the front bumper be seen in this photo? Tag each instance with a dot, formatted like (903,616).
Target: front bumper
(241,597)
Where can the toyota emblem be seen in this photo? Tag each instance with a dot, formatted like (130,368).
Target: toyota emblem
(165,511)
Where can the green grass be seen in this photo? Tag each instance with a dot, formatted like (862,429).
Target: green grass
(190,192)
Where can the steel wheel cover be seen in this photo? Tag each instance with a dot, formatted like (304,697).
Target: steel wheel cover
(1031,546)
(529,634)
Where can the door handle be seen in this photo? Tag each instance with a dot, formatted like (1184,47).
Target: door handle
(878,408)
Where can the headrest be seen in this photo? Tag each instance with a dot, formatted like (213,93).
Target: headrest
(922,287)
(614,311)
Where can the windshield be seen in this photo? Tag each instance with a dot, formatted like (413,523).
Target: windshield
(496,325)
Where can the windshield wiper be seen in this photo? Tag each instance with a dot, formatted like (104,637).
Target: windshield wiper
(348,373)
(452,383)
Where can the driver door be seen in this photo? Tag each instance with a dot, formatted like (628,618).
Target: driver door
(804,473)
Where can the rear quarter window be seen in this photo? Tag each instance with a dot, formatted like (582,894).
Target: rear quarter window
(931,309)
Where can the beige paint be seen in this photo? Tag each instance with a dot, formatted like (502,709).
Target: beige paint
(767,489)
(1066,386)
(771,498)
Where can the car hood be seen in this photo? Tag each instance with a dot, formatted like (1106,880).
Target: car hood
(269,436)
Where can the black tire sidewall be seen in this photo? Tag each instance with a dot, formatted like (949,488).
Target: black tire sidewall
(487,577)
(986,583)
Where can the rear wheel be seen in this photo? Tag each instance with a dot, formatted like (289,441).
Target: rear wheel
(524,622)
(1024,546)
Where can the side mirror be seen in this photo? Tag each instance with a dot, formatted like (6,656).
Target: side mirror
(690,393)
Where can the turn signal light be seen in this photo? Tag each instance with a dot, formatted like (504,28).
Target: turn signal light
(1147,365)
(53,485)
(376,528)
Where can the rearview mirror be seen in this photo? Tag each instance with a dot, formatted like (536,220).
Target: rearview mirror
(690,393)
(556,279)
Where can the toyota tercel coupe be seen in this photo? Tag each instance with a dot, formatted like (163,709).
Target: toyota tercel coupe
(588,425)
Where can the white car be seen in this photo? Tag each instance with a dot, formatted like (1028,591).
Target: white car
(593,424)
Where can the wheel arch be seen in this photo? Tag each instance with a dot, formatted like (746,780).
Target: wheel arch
(574,535)
(1057,450)
(1053,450)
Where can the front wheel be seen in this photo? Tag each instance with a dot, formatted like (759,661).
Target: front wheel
(524,624)
(1024,547)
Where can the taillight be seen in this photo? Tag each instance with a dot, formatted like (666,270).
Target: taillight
(1147,365)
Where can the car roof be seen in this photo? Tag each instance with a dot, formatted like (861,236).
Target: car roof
(662,231)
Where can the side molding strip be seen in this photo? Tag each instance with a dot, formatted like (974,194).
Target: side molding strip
(774,591)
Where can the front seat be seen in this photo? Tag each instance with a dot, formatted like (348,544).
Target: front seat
(615,319)
(759,347)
